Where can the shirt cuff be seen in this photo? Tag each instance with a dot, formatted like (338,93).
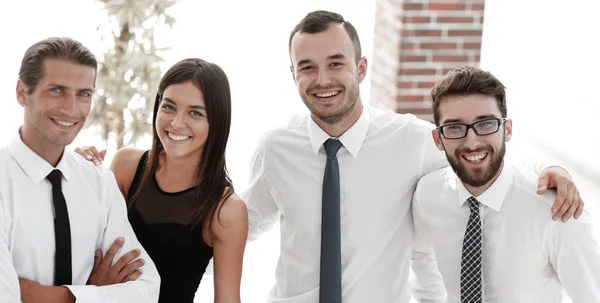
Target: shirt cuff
(85,293)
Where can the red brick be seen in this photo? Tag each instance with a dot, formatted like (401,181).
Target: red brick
(412,6)
(465,32)
(446,6)
(405,85)
(409,46)
(410,98)
(414,111)
(421,32)
(425,84)
(416,72)
(418,19)
(443,19)
(478,7)
(413,58)
(450,58)
(433,45)
(472,45)
(428,32)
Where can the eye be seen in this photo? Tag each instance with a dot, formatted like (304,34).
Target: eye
(85,94)
(196,113)
(168,107)
(56,90)
(487,124)
(336,64)
(454,128)
(306,68)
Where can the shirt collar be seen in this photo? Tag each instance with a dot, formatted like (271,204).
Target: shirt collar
(352,139)
(32,164)
(494,196)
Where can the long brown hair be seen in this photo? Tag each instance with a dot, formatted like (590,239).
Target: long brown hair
(216,185)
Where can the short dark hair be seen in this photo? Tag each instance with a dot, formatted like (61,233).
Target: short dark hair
(32,65)
(320,21)
(468,80)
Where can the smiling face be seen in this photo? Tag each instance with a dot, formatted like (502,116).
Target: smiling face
(181,122)
(327,74)
(477,160)
(56,110)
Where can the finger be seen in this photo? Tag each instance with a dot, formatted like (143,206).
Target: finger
(130,268)
(102,155)
(133,276)
(112,251)
(580,206)
(543,182)
(561,202)
(97,259)
(96,154)
(125,259)
(574,204)
(82,152)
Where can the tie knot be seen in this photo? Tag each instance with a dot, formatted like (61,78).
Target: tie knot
(473,205)
(54,177)
(332,146)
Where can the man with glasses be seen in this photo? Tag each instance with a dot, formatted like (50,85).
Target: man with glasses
(490,232)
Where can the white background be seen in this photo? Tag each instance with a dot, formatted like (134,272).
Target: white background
(548,60)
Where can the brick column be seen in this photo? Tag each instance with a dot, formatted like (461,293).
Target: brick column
(416,43)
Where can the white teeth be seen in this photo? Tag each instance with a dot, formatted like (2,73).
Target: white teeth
(65,123)
(476,158)
(178,137)
(327,95)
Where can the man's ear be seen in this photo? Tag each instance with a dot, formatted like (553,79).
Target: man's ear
(437,139)
(507,130)
(293,74)
(22,93)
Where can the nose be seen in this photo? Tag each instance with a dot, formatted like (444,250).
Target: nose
(472,140)
(178,120)
(322,77)
(68,105)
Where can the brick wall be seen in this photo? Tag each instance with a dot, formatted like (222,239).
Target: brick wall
(416,43)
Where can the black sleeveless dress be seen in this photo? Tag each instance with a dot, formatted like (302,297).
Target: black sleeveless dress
(161,222)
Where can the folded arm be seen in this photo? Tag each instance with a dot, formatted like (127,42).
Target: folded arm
(143,289)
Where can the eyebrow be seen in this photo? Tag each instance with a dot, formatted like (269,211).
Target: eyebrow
(62,87)
(169,100)
(481,117)
(332,57)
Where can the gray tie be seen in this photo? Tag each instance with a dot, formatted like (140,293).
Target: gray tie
(331,248)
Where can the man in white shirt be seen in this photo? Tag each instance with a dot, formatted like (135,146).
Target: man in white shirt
(365,175)
(491,234)
(56,208)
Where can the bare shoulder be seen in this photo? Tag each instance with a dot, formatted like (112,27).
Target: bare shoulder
(232,212)
(124,165)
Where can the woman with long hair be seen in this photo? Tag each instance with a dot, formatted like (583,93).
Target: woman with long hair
(181,201)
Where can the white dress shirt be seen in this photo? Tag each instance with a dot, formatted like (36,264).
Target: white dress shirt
(526,257)
(97,215)
(383,156)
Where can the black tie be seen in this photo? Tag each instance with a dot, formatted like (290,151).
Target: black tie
(470,269)
(330,290)
(62,232)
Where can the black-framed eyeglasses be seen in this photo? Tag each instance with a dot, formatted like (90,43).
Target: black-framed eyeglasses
(484,127)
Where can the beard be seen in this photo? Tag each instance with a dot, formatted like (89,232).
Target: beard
(338,115)
(479,176)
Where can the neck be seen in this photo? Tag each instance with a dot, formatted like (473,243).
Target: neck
(478,190)
(41,145)
(178,173)
(339,128)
